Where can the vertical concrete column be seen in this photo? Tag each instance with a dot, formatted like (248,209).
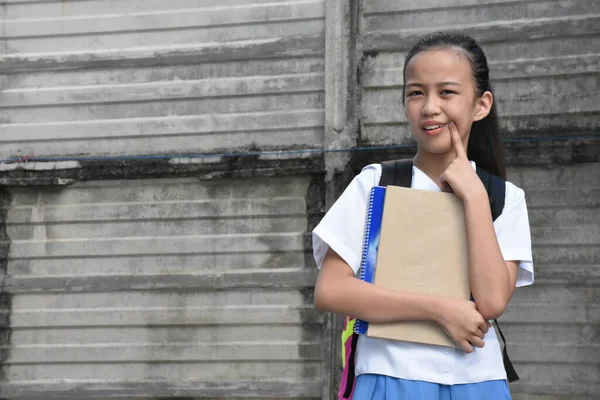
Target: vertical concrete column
(341,120)
(341,127)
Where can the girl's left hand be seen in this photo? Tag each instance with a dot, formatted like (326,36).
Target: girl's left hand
(460,177)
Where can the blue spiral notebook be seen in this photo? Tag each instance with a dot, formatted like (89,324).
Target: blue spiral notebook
(370,244)
(414,241)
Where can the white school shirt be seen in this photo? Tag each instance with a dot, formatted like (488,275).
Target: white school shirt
(342,229)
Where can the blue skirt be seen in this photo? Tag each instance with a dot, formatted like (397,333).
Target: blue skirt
(380,387)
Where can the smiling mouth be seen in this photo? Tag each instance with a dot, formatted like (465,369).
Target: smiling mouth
(433,127)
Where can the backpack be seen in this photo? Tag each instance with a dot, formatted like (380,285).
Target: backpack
(399,173)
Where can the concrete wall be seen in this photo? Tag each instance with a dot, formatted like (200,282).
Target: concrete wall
(544,62)
(190,276)
(161,277)
(163,287)
(552,326)
(110,77)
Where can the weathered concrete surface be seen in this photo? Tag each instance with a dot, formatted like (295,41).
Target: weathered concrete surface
(154,77)
(248,165)
(5,296)
(543,63)
(191,276)
(341,127)
(552,326)
(164,287)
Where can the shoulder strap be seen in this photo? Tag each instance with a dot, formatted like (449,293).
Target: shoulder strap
(396,173)
(496,189)
(511,373)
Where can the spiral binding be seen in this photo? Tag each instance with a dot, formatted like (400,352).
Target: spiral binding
(366,237)
(360,327)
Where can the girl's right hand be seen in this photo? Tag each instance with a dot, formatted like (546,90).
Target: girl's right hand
(463,323)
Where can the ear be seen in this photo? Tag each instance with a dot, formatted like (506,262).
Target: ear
(483,106)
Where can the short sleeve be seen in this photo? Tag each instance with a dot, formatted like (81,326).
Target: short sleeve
(513,233)
(342,227)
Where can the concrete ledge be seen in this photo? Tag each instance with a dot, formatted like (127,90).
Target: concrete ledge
(205,168)
(504,31)
(294,46)
(266,278)
(129,317)
(40,166)
(524,152)
(305,389)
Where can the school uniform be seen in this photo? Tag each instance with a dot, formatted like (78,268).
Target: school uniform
(388,369)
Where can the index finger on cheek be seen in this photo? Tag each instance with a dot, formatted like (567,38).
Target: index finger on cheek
(456,140)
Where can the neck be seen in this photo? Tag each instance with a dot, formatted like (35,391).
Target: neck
(433,165)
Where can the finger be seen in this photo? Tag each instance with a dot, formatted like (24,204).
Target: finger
(446,187)
(465,346)
(477,342)
(484,326)
(479,333)
(456,140)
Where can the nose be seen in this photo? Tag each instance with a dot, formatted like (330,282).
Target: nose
(430,107)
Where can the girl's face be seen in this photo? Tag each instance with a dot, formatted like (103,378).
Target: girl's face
(440,89)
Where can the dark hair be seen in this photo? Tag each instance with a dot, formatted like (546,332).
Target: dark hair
(485,146)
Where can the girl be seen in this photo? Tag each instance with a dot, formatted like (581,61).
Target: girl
(450,110)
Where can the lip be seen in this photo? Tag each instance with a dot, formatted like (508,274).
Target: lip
(434,131)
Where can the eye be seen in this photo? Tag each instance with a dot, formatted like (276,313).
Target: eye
(414,93)
(448,92)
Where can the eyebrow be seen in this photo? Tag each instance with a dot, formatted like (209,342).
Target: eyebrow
(445,83)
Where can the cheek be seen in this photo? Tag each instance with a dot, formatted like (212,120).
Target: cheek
(461,115)
(412,110)
(464,127)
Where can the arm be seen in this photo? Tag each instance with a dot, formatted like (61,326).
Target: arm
(492,279)
(338,290)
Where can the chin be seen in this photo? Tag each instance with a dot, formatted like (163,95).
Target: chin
(434,146)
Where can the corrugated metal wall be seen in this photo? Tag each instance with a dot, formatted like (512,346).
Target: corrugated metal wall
(130,76)
(545,62)
(159,288)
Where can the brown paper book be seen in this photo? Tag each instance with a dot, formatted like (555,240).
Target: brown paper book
(422,249)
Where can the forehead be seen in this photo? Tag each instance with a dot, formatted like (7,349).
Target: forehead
(439,65)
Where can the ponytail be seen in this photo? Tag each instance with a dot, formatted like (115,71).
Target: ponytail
(485,146)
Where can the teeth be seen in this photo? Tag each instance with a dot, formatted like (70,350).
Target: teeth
(430,128)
